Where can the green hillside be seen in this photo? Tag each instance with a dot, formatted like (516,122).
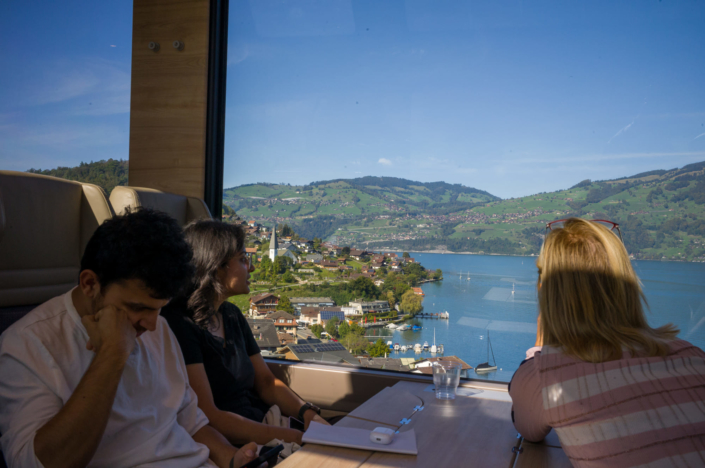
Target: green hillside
(352,198)
(106,174)
(661,213)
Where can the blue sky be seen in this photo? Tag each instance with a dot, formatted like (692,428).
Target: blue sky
(512,97)
(65,82)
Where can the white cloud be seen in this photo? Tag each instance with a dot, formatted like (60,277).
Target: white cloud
(620,132)
(87,86)
(237,53)
(385,161)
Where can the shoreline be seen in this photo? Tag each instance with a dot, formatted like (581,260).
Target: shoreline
(450,252)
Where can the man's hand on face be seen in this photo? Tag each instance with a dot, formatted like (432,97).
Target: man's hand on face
(110,329)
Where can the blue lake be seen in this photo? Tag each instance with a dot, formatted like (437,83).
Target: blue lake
(498,293)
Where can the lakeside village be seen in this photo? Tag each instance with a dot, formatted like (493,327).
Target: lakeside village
(316,301)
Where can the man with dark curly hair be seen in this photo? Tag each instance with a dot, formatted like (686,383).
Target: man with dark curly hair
(83,384)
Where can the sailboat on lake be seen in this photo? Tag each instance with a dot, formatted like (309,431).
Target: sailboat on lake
(485,366)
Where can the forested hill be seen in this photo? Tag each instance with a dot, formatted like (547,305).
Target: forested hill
(434,190)
(106,174)
(353,197)
(661,212)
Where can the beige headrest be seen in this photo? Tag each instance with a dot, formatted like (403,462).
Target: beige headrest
(45,224)
(183,209)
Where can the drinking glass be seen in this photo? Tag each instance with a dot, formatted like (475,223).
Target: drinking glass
(446,377)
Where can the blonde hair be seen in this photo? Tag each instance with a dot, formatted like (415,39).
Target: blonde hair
(590,298)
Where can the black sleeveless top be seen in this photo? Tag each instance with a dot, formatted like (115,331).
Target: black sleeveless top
(227,363)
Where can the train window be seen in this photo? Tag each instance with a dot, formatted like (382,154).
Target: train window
(65,89)
(448,134)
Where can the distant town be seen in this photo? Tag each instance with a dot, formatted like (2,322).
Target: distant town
(314,300)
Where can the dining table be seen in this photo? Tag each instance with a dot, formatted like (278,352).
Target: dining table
(474,429)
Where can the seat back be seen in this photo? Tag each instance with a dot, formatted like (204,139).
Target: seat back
(45,224)
(182,208)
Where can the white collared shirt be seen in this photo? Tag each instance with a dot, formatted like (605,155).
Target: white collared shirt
(43,357)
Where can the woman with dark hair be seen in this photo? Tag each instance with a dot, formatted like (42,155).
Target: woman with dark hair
(235,387)
(618,392)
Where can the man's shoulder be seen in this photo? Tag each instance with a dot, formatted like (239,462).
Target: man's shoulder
(43,320)
(162,339)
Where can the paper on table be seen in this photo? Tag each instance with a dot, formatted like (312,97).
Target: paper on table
(317,433)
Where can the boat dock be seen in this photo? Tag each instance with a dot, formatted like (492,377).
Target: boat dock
(439,315)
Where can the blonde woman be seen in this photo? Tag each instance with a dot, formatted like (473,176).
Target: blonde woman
(618,392)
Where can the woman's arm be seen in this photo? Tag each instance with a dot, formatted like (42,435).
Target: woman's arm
(526,393)
(275,392)
(237,429)
(221,452)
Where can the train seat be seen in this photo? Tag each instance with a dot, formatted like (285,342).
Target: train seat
(45,224)
(182,208)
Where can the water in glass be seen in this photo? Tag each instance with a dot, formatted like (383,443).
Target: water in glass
(446,376)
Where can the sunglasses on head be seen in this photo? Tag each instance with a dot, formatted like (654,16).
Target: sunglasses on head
(611,225)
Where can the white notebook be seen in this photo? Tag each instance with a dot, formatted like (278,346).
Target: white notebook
(317,433)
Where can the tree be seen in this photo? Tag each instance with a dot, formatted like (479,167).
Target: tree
(356,329)
(317,329)
(266,263)
(355,343)
(391,299)
(287,231)
(332,327)
(285,305)
(406,255)
(439,273)
(317,243)
(411,303)
(346,251)
(412,279)
(379,349)
(280,264)
(413,269)
(343,329)
(288,277)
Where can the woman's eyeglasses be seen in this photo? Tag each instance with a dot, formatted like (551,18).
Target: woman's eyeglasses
(612,226)
(250,256)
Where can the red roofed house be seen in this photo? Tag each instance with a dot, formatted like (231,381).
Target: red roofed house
(284,322)
(418,291)
(264,303)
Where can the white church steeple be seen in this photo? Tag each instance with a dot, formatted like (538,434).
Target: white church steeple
(273,245)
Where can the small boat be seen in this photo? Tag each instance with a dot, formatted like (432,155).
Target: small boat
(434,349)
(417,348)
(425,345)
(440,349)
(392,326)
(415,328)
(485,367)
(389,343)
(404,327)
(403,348)
(396,346)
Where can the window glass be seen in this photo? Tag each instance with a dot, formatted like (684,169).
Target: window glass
(65,88)
(388,140)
